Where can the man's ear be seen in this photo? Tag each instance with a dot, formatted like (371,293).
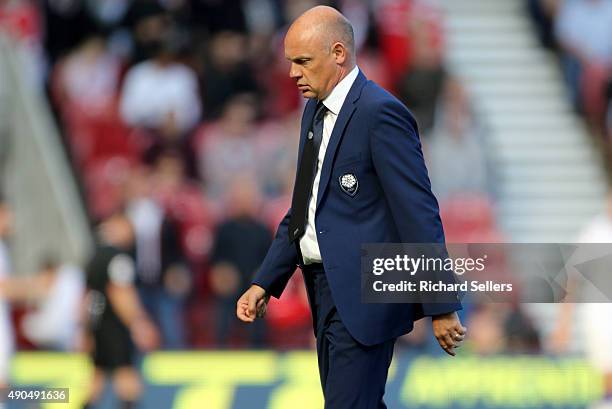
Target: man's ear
(339,52)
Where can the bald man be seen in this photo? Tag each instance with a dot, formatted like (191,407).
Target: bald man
(361,179)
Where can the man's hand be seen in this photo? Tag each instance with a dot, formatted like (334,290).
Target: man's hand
(145,334)
(448,331)
(252,304)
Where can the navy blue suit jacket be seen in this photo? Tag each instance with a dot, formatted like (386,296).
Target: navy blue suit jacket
(376,139)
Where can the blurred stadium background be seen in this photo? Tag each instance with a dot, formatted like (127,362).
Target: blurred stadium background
(182,112)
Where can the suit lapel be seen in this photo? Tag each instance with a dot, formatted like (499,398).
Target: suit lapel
(349,106)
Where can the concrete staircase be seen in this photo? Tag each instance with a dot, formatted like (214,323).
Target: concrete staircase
(34,175)
(549,178)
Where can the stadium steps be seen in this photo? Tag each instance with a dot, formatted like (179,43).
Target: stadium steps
(34,174)
(549,178)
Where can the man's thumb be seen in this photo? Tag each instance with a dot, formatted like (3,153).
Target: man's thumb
(252,304)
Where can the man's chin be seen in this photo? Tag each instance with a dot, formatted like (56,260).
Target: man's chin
(308,94)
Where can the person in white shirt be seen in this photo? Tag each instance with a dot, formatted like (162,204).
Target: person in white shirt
(6,326)
(593,316)
(161,95)
(584,31)
(581,323)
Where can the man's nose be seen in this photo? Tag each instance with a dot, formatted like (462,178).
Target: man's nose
(294,71)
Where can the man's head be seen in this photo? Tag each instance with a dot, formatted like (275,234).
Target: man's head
(117,230)
(321,48)
(243,198)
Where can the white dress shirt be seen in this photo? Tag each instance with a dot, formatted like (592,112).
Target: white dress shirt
(334,101)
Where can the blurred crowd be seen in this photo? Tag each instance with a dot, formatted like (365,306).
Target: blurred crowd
(181,115)
(580,31)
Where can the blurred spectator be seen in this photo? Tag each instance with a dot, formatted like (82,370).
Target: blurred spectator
(281,170)
(149,24)
(398,21)
(486,323)
(583,27)
(584,30)
(85,88)
(543,13)
(67,23)
(276,209)
(578,326)
(521,334)
(589,316)
(228,146)
(53,324)
(104,180)
(233,263)
(394,38)
(161,95)
(87,80)
(358,13)
(216,16)
(6,326)
(116,317)
(289,318)
(107,13)
(227,72)
(280,97)
(163,278)
(421,85)
(456,159)
(184,202)
(373,67)
(262,17)
(55,293)
(277,146)
(236,144)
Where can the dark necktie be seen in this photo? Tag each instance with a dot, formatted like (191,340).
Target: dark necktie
(306,174)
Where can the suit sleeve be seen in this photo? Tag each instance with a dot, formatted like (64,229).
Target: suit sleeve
(282,258)
(399,164)
(280,262)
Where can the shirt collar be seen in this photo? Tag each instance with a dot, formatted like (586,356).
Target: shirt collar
(336,98)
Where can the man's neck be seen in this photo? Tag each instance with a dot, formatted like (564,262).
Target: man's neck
(345,71)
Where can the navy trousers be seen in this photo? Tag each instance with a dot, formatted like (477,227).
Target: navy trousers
(353,376)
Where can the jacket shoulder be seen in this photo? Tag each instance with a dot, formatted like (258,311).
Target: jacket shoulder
(376,99)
